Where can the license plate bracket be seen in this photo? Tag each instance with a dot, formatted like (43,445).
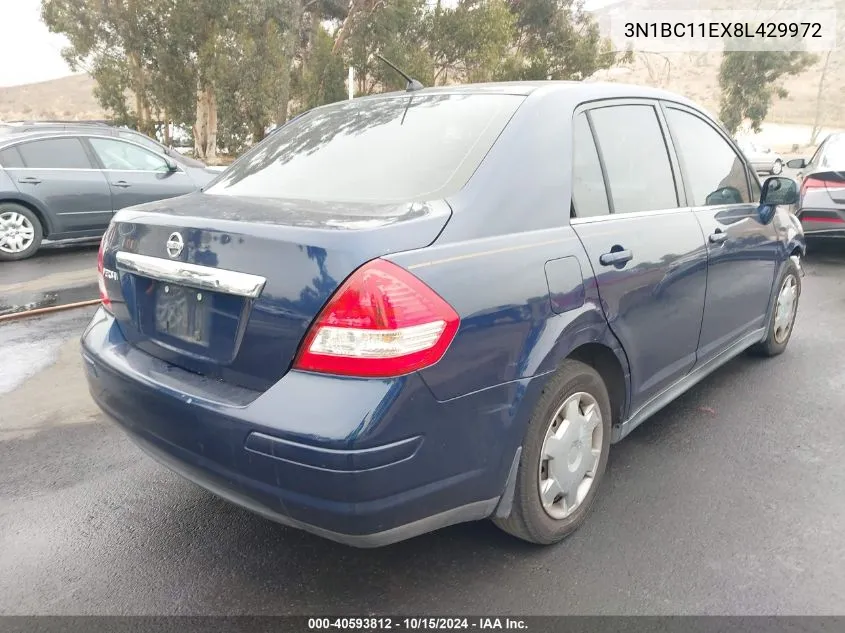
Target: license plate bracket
(183,313)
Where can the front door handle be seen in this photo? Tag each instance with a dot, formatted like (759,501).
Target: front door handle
(30,180)
(718,237)
(122,184)
(616,258)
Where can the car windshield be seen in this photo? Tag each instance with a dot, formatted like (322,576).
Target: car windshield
(405,148)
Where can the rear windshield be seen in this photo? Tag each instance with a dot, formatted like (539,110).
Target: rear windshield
(406,148)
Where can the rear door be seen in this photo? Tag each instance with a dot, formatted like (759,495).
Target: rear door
(60,175)
(742,251)
(137,175)
(646,250)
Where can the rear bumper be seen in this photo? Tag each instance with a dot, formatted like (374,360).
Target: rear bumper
(822,222)
(362,462)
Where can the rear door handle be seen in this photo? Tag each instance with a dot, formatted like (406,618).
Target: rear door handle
(615,258)
(121,183)
(718,237)
(30,180)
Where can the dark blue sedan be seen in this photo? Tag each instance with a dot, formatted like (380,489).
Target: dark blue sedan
(411,310)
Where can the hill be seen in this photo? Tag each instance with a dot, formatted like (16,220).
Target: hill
(66,98)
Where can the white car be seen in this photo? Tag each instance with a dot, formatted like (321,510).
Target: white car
(764,160)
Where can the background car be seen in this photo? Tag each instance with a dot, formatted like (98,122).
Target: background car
(821,200)
(103,128)
(63,185)
(762,159)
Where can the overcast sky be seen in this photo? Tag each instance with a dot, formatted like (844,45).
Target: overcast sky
(30,53)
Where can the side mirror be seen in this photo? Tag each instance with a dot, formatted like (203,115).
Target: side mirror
(171,165)
(779,191)
(796,163)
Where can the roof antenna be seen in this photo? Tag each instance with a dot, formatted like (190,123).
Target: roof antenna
(413,84)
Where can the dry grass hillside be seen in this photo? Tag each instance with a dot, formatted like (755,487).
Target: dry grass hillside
(66,98)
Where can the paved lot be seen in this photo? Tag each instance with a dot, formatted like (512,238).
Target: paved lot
(732,500)
(58,274)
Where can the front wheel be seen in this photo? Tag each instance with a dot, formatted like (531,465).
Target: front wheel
(564,457)
(777,168)
(784,311)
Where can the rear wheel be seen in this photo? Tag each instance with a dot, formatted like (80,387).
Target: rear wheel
(784,312)
(777,168)
(564,457)
(20,232)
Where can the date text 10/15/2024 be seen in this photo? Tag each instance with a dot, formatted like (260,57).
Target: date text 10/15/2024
(416,624)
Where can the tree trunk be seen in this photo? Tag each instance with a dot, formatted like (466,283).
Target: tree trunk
(817,121)
(355,7)
(205,128)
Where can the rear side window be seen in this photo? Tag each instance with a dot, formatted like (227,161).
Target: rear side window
(715,174)
(10,158)
(589,196)
(413,147)
(55,153)
(639,173)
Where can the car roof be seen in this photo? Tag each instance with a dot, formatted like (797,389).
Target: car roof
(588,90)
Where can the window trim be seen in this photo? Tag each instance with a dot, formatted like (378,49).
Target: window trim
(672,105)
(674,165)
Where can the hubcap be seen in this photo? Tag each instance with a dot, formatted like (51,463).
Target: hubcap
(570,455)
(777,167)
(786,307)
(16,232)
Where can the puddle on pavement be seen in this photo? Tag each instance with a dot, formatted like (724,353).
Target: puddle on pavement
(32,301)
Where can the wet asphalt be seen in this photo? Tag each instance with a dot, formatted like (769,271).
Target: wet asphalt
(59,274)
(729,501)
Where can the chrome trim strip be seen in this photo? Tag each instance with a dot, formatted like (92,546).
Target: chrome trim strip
(193,275)
(592,219)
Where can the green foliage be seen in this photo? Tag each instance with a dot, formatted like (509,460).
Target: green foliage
(750,79)
(322,75)
(230,68)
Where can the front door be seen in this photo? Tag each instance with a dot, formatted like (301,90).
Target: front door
(58,173)
(137,175)
(742,250)
(647,252)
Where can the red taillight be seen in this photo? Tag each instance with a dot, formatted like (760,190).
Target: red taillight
(381,322)
(101,280)
(812,183)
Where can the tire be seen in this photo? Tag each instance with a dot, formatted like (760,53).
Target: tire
(529,520)
(776,338)
(777,168)
(20,232)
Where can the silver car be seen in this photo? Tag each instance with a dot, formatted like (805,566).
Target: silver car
(821,203)
(762,159)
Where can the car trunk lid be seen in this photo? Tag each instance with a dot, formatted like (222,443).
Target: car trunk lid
(227,287)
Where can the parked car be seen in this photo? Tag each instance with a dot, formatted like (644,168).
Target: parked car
(406,311)
(762,159)
(29,127)
(62,185)
(821,200)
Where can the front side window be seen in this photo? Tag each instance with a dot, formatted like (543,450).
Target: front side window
(589,196)
(387,149)
(715,173)
(141,140)
(639,174)
(55,153)
(119,156)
